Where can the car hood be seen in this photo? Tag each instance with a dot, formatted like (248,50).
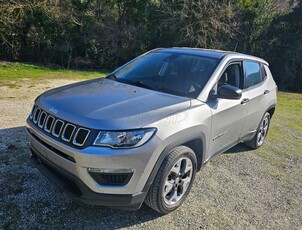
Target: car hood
(110,105)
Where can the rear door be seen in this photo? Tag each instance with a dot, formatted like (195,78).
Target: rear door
(255,87)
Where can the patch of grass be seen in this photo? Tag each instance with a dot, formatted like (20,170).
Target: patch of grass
(282,149)
(16,71)
(286,126)
(289,111)
(13,86)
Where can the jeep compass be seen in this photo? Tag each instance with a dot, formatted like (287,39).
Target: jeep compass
(141,133)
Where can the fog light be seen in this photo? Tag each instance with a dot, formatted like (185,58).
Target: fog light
(113,177)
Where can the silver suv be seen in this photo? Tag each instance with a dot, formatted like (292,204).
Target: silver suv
(141,134)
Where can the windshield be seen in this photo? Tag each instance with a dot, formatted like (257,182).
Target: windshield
(174,73)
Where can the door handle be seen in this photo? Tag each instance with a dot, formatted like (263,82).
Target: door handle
(244,101)
(266,91)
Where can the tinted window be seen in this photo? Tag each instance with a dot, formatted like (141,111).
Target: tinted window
(148,65)
(231,76)
(175,73)
(264,74)
(252,73)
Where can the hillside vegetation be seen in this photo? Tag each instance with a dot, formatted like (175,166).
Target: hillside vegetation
(105,34)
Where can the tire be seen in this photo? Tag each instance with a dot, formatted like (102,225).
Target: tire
(173,181)
(261,133)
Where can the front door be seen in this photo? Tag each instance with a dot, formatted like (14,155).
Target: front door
(228,116)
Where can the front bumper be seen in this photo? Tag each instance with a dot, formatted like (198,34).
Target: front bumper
(78,190)
(68,168)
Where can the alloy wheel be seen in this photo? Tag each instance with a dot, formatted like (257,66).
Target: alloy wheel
(178,181)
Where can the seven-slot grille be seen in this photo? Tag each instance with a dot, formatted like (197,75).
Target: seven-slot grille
(62,130)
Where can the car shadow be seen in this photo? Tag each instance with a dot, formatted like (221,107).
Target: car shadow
(239,148)
(110,218)
(21,182)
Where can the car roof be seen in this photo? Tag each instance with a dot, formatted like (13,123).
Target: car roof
(217,54)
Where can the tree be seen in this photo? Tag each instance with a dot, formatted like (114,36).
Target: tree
(254,17)
(106,34)
(284,48)
(199,23)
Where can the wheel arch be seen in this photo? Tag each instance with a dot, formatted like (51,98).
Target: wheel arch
(271,110)
(197,142)
(197,145)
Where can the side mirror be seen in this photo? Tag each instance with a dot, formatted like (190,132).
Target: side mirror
(229,92)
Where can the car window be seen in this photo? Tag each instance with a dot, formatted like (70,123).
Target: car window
(143,66)
(263,72)
(253,74)
(175,73)
(232,76)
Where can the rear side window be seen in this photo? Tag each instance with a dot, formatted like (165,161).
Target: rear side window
(264,74)
(253,75)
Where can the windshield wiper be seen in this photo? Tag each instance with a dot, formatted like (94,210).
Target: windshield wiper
(137,83)
(144,85)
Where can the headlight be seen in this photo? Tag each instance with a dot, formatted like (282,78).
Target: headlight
(124,139)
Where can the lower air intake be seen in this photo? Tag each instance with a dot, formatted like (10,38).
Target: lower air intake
(113,179)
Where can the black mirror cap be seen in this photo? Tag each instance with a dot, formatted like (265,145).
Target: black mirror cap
(229,92)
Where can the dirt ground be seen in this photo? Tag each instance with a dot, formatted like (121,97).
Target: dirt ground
(239,189)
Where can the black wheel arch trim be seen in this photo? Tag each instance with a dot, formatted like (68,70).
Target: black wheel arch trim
(169,147)
(273,106)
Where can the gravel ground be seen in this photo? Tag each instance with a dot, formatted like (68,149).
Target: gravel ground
(239,189)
